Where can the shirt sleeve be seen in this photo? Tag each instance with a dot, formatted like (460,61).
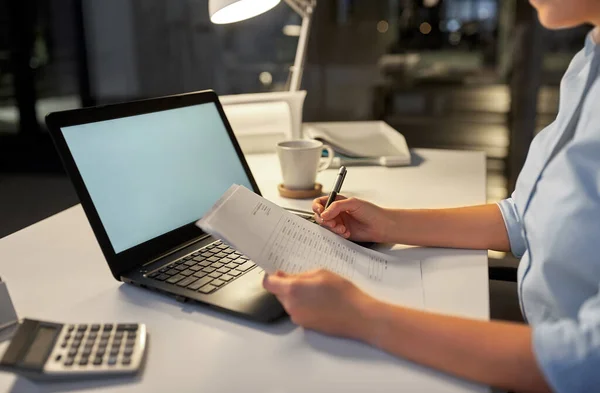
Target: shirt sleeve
(514,227)
(568,350)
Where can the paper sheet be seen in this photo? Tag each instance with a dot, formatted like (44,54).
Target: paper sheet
(278,240)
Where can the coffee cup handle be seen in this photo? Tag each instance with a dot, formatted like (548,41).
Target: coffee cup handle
(327,162)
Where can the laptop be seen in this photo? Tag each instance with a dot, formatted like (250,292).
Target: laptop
(144,172)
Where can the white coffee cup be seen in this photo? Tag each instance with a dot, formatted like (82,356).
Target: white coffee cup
(301,160)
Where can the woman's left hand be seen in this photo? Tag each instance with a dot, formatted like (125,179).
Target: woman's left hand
(322,301)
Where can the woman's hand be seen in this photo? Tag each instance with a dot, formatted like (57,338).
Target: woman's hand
(322,301)
(353,218)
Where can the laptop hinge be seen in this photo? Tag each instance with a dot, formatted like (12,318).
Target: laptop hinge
(174,250)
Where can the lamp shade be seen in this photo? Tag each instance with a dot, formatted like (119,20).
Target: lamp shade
(230,11)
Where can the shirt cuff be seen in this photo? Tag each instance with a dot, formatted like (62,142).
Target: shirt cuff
(513,226)
(566,357)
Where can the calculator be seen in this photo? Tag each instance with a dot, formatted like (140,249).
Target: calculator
(46,351)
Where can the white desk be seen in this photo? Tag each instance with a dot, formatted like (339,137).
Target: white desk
(55,271)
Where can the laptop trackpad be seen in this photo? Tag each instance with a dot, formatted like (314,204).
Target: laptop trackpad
(246,295)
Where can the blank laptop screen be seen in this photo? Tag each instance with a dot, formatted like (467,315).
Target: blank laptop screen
(150,174)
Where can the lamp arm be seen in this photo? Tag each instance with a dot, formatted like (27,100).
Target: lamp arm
(304,9)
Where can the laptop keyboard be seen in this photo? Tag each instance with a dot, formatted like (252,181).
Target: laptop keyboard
(207,270)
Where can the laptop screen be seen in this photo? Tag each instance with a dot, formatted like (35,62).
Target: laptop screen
(150,174)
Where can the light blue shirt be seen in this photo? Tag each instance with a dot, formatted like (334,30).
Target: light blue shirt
(553,223)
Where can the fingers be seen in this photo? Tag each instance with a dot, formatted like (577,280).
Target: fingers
(345,205)
(318,205)
(281,284)
(278,284)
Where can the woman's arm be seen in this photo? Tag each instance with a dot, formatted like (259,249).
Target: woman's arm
(477,227)
(494,353)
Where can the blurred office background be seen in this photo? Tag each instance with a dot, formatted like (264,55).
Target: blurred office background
(452,74)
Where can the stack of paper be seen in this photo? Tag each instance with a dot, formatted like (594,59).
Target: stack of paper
(361,142)
(276,239)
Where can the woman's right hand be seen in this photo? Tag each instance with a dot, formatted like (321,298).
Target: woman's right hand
(353,218)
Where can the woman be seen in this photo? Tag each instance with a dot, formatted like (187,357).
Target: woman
(552,221)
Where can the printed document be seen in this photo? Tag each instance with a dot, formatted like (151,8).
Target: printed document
(276,239)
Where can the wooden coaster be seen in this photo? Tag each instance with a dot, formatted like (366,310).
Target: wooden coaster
(300,194)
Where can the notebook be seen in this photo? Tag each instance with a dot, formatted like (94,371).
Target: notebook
(278,240)
(361,142)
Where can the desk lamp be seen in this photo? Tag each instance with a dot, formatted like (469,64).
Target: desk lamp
(231,11)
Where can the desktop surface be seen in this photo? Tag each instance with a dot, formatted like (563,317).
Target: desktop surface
(191,348)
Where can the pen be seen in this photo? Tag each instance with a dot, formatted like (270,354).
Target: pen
(337,186)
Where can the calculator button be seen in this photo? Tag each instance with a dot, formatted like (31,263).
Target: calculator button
(103,343)
(92,336)
(68,362)
(131,334)
(57,358)
(114,352)
(95,327)
(70,328)
(108,327)
(100,352)
(72,352)
(118,335)
(76,343)
(97,361)
(126,360)
(112,360)
(128,351)
(68,336)
(84,361)
(82,328)
(79,336)
(131,327)
(116,343)
(130,342)
(86,352)
(105,336)
(64,344)
(88,345)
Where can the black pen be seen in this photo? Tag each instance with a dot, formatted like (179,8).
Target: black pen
(337,186)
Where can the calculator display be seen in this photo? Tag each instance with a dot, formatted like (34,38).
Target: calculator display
(40,347)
